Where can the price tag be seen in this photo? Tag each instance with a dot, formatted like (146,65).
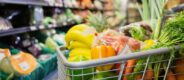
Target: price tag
(26,43)
(33,28)
(64,23)
(24,66)
(41,27)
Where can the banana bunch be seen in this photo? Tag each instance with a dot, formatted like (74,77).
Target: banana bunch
(80,36)
(79,40)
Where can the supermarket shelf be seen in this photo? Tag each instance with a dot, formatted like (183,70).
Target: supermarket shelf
(25,2)
(14,31)
(30,29)
(92,9)
(45,4)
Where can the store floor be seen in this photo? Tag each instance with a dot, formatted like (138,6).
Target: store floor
(52,76)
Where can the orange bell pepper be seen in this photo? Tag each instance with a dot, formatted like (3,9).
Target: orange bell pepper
(103,51)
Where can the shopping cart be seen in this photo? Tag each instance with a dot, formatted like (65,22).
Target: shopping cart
(86,70)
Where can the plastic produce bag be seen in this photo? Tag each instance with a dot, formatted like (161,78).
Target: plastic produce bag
(5,24)
(116,40)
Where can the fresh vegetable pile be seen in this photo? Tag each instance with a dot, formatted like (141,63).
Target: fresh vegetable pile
(171,34)
(85,44)
(79,40)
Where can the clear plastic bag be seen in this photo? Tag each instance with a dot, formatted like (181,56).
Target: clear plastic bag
(5,24)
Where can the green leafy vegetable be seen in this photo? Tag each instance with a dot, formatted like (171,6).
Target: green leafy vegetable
(152,10)
(137,33)
(171,34)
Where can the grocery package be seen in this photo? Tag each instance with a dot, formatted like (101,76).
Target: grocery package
(116,40)
(19,64)
(4,53)
(5,24)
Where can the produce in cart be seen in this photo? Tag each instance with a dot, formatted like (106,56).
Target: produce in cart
(104,75)
(102,51)
(91,45)
(169,35)
(79,55)
(179,69)
(81,33)
(79,40)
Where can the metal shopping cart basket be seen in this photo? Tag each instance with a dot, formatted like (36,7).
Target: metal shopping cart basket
(86,70)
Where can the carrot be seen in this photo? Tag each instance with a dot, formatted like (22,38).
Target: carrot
(125,78)
(149,74)
(170,76)
(179,66)
(134,45)
(129,67)
(138,77)
(179,69)
(179,77)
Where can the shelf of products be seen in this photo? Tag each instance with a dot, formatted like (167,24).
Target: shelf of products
(30,29)
(26,44)
(47,4)
(91,9)
(14,31)
(25,2)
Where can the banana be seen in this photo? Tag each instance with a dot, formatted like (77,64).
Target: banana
(76,35)
(79,27)
(81,33)
(77,44)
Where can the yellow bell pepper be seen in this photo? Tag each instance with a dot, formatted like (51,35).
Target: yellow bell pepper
(103,51)
(85,52)
(148,44)
(78,55)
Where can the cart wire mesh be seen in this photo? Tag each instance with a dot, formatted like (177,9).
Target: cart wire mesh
(90,70)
